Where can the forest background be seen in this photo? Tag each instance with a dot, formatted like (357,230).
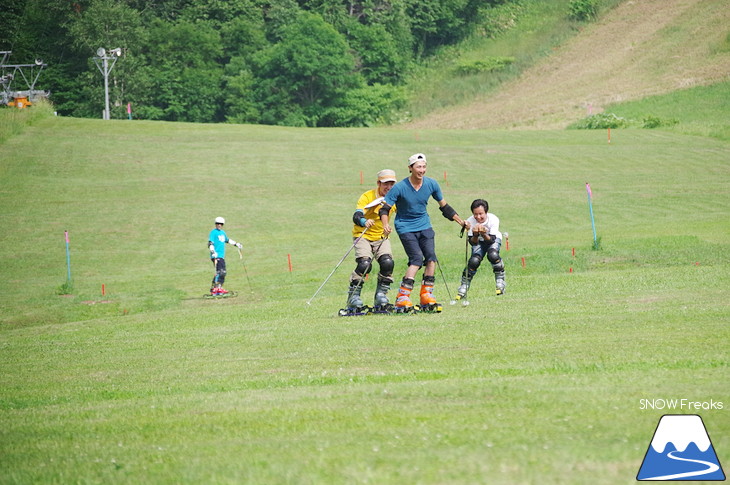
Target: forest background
(276,62)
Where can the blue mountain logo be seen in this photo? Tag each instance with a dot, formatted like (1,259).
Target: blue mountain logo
(680,450)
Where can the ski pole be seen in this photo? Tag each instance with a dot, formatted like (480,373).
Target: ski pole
(309,302)
(451,300)
(466,247)
(245,270)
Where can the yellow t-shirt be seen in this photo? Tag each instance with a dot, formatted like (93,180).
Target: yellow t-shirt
(376,230)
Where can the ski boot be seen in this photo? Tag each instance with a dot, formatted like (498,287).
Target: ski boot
(355,306)
(500,283)
(403,303)
(428,302)
(380,302)
(464,288)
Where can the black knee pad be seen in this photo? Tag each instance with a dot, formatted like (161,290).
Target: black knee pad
(364,265)
(386,265)
(474,262)
(493,256)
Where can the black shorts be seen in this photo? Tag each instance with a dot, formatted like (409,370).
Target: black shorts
(419,246)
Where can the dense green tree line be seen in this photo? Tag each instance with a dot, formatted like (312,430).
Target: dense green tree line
(288,62)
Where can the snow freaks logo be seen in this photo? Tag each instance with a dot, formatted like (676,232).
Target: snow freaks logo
(680,450)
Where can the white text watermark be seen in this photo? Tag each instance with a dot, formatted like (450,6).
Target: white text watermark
(680,404)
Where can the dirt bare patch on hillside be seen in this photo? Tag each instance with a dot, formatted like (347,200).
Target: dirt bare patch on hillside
(640,48)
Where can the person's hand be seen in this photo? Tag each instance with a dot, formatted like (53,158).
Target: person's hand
(214,255)
(239,245)
(387,230)
(369,223)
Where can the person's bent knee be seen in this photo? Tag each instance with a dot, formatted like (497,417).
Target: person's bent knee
(363,266)
(386,265)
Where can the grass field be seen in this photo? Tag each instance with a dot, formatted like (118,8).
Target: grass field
(150,383)
(697,111)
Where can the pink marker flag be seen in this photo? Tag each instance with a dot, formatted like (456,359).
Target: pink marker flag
(588,188)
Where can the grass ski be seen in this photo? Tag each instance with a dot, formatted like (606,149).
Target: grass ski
(230,294)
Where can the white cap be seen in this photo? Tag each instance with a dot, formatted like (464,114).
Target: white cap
(220,220)
(418,157)
(386,176)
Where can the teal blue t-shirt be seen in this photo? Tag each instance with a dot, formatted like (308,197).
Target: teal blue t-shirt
(411,215)
(219,239)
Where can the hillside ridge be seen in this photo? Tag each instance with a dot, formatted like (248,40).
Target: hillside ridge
(639,49)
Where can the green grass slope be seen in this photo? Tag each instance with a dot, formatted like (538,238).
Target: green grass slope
(635,50)
(150,383)
(701,110)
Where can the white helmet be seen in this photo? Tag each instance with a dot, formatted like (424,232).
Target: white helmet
(220,220)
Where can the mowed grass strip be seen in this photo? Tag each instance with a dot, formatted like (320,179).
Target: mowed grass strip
(543,385)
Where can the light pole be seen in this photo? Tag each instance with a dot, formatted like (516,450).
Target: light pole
(102,62)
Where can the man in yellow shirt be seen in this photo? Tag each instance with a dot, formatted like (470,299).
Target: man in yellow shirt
(370,243)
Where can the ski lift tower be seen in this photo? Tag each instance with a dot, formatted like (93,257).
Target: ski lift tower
(102,62)
(28,73)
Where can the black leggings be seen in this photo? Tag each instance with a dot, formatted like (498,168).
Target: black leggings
(220,271)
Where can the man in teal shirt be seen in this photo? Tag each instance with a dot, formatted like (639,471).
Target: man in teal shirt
(410,197)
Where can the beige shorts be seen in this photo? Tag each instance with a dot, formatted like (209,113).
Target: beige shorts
(372,249)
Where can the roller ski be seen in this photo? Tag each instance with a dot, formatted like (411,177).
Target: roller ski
(218,292)
(355,306)
(354,312)
(431,308)
(462,299)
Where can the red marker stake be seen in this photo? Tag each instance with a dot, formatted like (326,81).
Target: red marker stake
(288,256)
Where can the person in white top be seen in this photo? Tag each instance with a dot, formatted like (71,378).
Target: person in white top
(485,240)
